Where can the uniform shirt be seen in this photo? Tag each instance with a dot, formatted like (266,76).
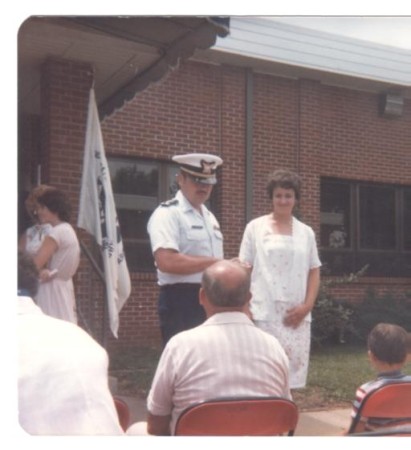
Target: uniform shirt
(280,265)
(225,356)
(62,378)
(177,225)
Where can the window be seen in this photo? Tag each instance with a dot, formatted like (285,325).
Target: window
(377,218)
(139,186)
(364,223)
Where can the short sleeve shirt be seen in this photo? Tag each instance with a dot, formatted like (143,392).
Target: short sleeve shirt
(176,225)
(280,264)
(225,356)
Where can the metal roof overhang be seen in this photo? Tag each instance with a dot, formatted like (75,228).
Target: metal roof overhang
(126,52)
(295,52)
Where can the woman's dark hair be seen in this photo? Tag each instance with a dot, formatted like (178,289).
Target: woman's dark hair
(57,202)
(284,179)
(388,343)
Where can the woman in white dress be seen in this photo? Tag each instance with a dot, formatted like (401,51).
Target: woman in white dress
(285,273)
(31,240)
(58,258)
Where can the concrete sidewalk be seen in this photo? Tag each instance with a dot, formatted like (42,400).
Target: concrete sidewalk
(310,423)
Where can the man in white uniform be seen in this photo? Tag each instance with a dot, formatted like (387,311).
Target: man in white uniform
(62,372)
(185,239)
(225,356)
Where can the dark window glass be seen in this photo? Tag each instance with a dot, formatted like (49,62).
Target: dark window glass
(365,224)
(377,218)
(139,186)
(335,215)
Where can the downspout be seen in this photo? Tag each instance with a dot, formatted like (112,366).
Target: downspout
(249,145)
(298,131)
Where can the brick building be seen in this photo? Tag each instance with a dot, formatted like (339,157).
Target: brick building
(342,123)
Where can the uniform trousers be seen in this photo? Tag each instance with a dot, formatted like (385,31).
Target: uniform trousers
(179,309)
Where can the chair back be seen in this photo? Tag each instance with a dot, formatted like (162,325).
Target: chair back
(123,413)
(397,431)
(260,416)
(390,401)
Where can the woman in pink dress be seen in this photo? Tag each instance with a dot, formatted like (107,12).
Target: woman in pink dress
(58,257)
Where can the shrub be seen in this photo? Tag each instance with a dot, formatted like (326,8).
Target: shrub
(381,308)
(332,317)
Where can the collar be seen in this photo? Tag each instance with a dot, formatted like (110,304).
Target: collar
(228,317)
(186,205)
(391,374)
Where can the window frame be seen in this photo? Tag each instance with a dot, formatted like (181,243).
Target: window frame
(355,251)
(165,170)
(166,189)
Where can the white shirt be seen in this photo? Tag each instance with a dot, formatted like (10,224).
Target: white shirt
(280,264)
(177,225)
(225,356)
(35,236)
(62,377)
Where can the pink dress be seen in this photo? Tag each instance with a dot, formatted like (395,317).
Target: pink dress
(56,297)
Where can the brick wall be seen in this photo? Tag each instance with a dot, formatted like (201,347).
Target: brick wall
(359,144)
(302,125)
(65,87)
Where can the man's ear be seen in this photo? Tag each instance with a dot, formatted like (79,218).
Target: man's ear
(180,178)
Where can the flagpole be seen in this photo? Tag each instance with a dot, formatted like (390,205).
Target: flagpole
(100,274)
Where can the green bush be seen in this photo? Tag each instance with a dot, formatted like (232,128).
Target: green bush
(331,318)
(381,308)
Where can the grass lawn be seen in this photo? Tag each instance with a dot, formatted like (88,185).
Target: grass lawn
(334,374)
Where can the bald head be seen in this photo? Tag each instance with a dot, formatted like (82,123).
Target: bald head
(226,284)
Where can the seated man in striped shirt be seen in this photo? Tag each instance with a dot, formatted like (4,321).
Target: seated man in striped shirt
(387,351)
(225,356)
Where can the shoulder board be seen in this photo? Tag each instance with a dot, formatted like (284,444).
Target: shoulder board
(171,202)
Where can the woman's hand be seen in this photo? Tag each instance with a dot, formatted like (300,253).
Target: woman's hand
(47,275)
(295,316)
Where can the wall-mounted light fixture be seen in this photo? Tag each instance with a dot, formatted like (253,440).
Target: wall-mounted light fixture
(391,105)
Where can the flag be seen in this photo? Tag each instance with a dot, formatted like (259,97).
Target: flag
(98,216)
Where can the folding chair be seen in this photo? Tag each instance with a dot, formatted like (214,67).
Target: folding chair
(391,401)
(123,412)
(404,430)
(256,416)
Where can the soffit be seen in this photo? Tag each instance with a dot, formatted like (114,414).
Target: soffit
(126,52)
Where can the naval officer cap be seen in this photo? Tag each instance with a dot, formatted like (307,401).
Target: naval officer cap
(201,166)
